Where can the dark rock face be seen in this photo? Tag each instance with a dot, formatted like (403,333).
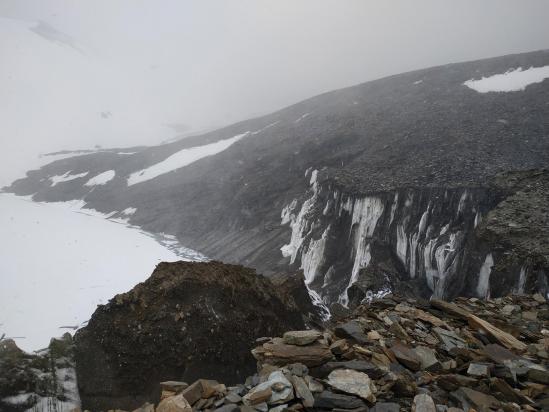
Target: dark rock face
(406,163)
(188,320)
(441,357)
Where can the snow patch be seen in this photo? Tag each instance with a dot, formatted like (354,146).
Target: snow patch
(302,117)
(183,158)
(65,177)
(513,80)
(129,211)
(101,179)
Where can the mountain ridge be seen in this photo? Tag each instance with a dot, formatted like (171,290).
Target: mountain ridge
(422,134)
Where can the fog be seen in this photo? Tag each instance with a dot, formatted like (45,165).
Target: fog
(78,74)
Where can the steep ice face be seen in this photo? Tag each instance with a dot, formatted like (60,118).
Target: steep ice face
(312,257)
(362,260)
(521,281)
(316,299)
(101,179)
(394,208)
(366,213)
(287,211)
(183,158)
(300,224)
(314,175)
(402,244)
(67,177)
(478,219)
(429,249)
(483,286)
(510,81)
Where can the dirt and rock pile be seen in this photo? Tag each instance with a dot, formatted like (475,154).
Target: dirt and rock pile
(394,354)
(189,320)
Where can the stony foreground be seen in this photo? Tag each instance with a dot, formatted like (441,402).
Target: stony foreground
(394,354)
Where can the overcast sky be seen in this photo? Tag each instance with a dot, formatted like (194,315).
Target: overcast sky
(116,72)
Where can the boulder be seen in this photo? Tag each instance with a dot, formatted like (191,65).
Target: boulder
(278,353)
(353,382)
(301,337)
(189,320)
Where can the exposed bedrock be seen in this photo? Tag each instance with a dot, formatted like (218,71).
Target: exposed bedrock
(189,320)
(439,242)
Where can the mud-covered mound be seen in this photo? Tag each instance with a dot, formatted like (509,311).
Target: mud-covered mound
(188,320)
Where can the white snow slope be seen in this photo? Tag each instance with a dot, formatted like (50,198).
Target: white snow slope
(182,158)
(510,81)
(57,263)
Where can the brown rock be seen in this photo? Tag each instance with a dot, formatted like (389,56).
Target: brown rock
(175,403)
(470,398)
(281,354)
(257,397)
(146,407)
(339,347)
(406,356)
(302,391)
(504,338)
(173,386)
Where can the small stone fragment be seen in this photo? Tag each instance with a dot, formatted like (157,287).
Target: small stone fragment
(478,369)
(374,335)
(339,347)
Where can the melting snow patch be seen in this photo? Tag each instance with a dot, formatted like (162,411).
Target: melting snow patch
(101,179)
(129,211)
(182,158)
(302,117)
(65,178)
(510,81)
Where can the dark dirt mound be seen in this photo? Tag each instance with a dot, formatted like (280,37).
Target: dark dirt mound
(188,320)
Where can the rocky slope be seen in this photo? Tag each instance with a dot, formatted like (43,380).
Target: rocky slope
(394,355)
(188,320)
(395,176)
